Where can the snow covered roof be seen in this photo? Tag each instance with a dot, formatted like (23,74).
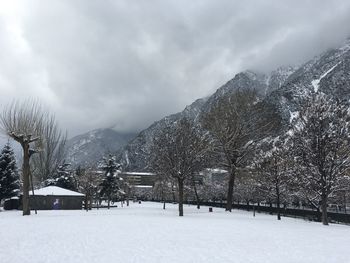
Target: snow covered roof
(55,190)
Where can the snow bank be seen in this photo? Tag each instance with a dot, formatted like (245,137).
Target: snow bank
(146,233)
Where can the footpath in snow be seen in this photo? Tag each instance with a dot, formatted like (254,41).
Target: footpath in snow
(146,233)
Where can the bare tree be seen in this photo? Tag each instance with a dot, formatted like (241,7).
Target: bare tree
(162,188)
(236,122)
(178,151)
(88,183)
(272,172)
(52,153)
(321,150)
(24,121)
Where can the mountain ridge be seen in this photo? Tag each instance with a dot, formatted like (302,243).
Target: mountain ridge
(286,88)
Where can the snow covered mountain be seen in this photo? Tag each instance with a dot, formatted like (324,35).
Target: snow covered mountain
(286,88)
(90,147)
(134,154)
(328,73)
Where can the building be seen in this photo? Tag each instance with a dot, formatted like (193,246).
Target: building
(53,197)
(138,178)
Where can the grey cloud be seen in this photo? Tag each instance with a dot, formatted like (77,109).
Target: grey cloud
(128,63)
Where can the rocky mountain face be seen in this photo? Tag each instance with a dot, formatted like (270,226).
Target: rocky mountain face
(285,88)
(328,73)
(89,148)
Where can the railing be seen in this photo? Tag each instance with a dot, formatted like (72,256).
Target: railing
(308,214)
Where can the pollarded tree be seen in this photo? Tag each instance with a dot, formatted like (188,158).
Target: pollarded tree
(236,122)
(110,185)
(9,177)
(178,151)
(24,122)
(321,148)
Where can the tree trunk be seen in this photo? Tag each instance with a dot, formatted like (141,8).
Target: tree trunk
(33,194)
(90,202)
(164,205)
(109,200)
(181,196)
(324,209)
(25,175)
(231,184)
(86,202)
(173,193)
(278,202)
(278,209)
(196,194)
(127,196)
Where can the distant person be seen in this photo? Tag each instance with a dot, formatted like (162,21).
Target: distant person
(56,204)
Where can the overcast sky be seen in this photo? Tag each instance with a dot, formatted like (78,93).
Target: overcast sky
(128,63)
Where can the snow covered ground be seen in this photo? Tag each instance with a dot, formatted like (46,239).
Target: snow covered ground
(146,233)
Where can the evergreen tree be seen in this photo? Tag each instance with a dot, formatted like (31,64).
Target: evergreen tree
(64,178)
(9,177)
(110,183)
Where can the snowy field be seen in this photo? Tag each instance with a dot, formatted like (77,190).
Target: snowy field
(146,233)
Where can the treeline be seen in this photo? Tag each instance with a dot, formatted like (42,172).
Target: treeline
(267,158)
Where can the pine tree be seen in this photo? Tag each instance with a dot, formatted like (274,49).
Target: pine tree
(110,183)
(63,178)
(9,177)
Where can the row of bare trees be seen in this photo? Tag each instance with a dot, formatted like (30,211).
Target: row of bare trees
(225,137)
(308,160)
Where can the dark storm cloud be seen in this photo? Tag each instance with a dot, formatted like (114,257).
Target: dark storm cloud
(129,63)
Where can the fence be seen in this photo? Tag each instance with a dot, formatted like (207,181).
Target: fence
(308,214)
